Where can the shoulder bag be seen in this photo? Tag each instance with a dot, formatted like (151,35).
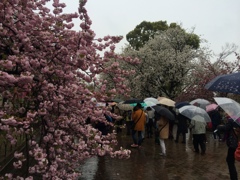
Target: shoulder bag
(133,124)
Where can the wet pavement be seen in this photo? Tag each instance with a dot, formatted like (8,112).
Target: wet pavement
(145,163)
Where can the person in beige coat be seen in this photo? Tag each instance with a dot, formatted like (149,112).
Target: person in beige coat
(163,128)
(139,120)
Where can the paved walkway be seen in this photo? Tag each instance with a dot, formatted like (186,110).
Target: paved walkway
(145,163)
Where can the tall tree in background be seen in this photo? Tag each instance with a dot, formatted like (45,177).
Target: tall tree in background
(145,31)
(166,61)
(205,70)
(45,72)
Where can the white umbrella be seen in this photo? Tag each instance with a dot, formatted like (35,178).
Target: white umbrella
(149,103)
(151,99)
(193,112)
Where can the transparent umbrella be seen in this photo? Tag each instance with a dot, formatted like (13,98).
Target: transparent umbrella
(202,103)
(194,112)
(230,106)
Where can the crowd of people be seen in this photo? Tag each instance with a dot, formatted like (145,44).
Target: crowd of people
(145,122)
(141,123)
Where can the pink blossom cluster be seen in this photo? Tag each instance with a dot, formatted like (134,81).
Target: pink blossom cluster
(46,71)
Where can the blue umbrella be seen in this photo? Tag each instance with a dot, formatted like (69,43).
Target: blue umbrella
(228,83)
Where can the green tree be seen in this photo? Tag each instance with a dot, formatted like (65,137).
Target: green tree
(145,31)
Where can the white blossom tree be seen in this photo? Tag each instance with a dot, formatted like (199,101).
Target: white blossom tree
(166,61)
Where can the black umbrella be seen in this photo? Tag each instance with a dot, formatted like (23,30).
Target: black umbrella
(117,100)
(133,101)
(181,104)
(162,111)
(229,83)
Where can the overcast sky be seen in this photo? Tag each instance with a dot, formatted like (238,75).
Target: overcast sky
(217,21)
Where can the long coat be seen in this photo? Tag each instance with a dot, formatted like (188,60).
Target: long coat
(163,127)
(140,124)
(182,125)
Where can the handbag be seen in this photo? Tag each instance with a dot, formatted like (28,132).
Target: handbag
(237,152)
(133,124)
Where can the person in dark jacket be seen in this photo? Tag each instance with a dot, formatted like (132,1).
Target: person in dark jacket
(231,128)
(216,120)
(182,127)
(149,125)
(103,127)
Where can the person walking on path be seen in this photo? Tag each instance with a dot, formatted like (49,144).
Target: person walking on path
(149,125)
(216,120)
(171,123)
(139,120)
(198,126)
(127,115)
(163,129)
(232,132)
(182,127)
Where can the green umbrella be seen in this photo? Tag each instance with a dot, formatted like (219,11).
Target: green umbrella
(134,104)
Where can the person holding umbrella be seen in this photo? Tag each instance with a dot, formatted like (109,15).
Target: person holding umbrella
(182,122)
(163,129)
(198,125)
(162,117)
(139,121)
(182,127)
(232,131)
(149,125)
(216,119)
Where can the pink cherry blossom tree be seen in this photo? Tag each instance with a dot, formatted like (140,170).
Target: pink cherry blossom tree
(206,70)
(46,69)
